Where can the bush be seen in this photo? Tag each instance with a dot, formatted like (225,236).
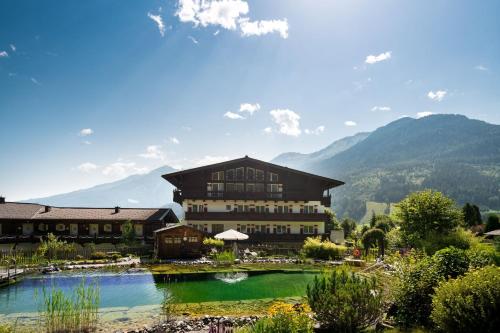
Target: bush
(374,237)
(450,262)
(224,257)
(98,255)
(315,248)
(482,255)
(492,223)
(459,238)
(394,239)
(344,301)
(283,318)
(470,303)
(212,242)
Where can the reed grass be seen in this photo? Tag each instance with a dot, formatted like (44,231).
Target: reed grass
(73,313)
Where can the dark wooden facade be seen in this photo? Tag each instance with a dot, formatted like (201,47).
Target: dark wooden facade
(295,185)
(178,241)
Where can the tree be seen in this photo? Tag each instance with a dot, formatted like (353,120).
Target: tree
(373,220)
(128,232)
(426,212)
(374,237)
(343,301)
(384,222)
(472,215)
(348,225)
(332,223)
(52,246)
(492,223)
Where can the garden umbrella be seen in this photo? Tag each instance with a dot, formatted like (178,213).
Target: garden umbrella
(232,235)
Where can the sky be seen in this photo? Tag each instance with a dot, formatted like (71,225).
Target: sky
(93,91)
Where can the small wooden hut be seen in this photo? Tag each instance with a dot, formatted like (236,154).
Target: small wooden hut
(178,241)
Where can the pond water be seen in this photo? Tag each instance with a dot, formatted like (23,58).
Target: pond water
(137,289)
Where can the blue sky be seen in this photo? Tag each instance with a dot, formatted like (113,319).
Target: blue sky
(92,91)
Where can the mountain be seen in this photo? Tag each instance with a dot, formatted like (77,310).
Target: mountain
(449,153)
(145,190)
(306,161)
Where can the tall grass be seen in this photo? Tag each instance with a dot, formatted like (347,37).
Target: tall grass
(78,312)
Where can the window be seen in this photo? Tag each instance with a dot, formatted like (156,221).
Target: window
(228,207)
(60,227)
(308,229)
(260,209)
(273,177)
(177,240)
(250,187)
(169,240)
(275,188)
(240,173)
(308,209)
(230,174)
(259,175)
(107,228)
(219,175)
(259,187)
(217,228)
(250,174)
(235,187)
(243,228)
(197,208)
(285,209)
(193,239)
(280,229)
(215,187)
(240,208)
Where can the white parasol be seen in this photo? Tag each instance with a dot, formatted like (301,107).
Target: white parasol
(231,235)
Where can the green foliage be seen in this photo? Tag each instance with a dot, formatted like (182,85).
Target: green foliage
(52,247)
(5,328)
(450,262)
(315,248)
(459,238)
(283,318)
(472,215)
(492,223)
(481,255)
(224,257)
(70,313)
(413,291)
(373,237)
(348,225)
(384,222)
(344,301)
(98,255)
(333,222)
(394,239)
(470,303)
(422,214)
(128,233)
(212,242)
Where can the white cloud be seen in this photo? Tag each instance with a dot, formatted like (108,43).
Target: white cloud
(133,201)
(437,96)
(153,152)
(372,59)
(268,130)
(3,54)
(86,142)
(13,47)
(424,114)
(193,39)
(174,140)
(123,169)
(250,108)
(232,115)
(186,128)
(381,108)
(224,13)
(159,22)
(287,121)
(87,167)
(35,81)
(86,132)
(317,131)
(216,33)
(208,159)
(263,27)
(481,68)
(350,123)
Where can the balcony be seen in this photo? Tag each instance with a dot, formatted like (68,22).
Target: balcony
(254,216)
(327,200)
(178,197)
(221,195)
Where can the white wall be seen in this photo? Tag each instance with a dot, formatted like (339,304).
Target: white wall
(220,205)
(294,225)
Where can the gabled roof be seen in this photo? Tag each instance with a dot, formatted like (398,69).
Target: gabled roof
(174,226)
(171,177)
(14,210)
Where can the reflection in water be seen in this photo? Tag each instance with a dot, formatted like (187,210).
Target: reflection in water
(233,277)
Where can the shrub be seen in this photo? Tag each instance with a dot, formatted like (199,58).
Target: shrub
(5,328)
(374,237)
(450,262)
(283,318)
(492,223)
(482,255)
(212,242)
(394,239)
(315,248)
(224,257)
(344,301)
(97,255)
(470,303)
(459,238)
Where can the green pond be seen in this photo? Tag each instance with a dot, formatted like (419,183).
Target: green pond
(136,289)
